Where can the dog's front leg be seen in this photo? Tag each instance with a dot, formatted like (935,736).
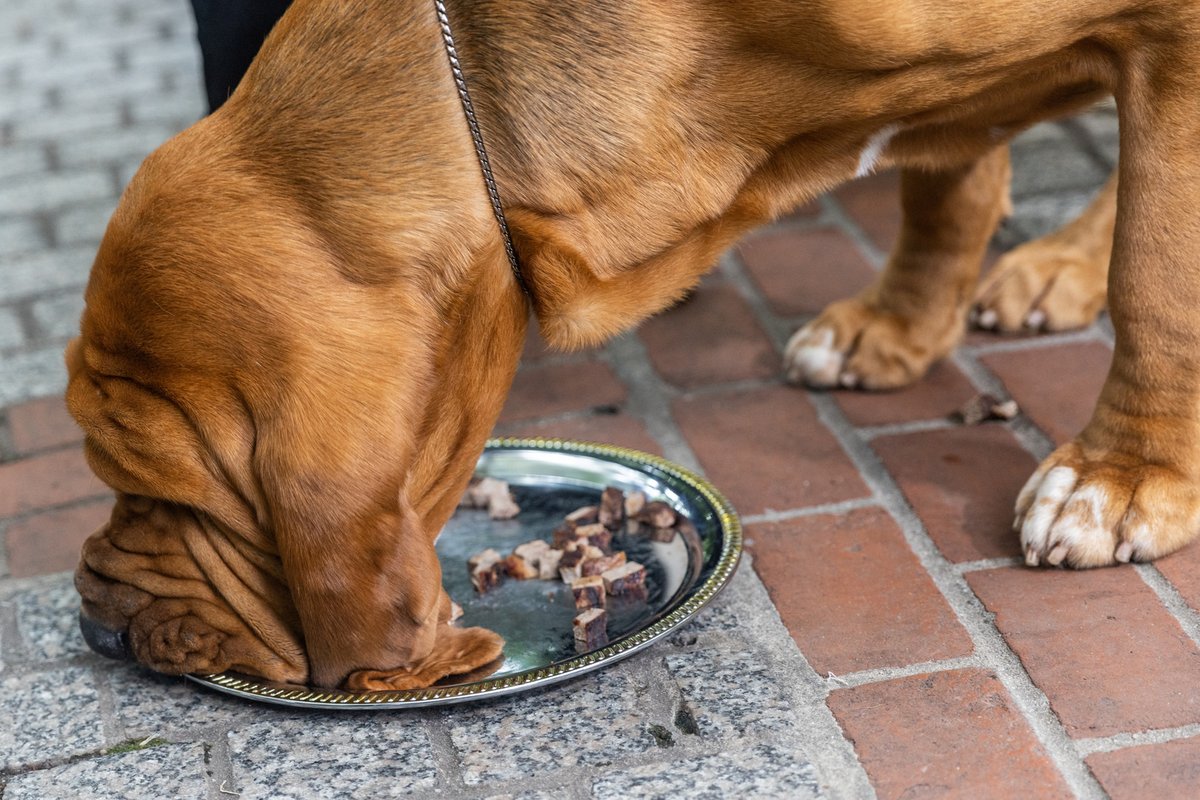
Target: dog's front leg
(1128,487)
(915,312)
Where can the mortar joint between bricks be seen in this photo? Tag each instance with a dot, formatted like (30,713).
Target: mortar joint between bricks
(989,645)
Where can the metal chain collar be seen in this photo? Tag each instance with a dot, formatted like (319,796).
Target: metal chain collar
(477,136)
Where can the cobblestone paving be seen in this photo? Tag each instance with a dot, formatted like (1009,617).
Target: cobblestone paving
(884,641)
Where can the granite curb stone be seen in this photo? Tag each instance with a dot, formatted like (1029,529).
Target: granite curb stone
(175,771)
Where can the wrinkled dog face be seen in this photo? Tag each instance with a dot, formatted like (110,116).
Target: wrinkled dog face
(142,585)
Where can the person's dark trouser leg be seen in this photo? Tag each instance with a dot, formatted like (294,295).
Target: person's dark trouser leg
(230,33)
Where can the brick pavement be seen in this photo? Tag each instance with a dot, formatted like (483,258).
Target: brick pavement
(923,659)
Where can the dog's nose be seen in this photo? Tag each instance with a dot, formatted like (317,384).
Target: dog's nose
(108,643)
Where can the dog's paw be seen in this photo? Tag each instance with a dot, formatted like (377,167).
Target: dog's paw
(1042,285)
(854,345)
(1094,510)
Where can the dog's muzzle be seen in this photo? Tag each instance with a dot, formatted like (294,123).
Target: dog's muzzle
(108,643)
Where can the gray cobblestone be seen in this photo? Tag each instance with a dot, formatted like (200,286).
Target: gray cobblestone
(84,225)
(44,271)
(593,721)
(50,191)
(58,317)
(72,121)
(148,704)
(332,757)
(112,145)
(48,716)
(763,772)
(32,373)
(21,159)
(705,677)
(12,333)
(48,620)
(1046,168)
(173,771)
(21,234)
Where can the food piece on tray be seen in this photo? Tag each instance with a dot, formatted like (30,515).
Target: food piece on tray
(635,501)
(596,535)
(532,551)
(493,495)
(658,514)
(612,508)
(548,564)
(625,579)
(589,592)
(598,566)
(520,568)
(590,629)
(455,612)
(486,569)
(584,516)
(570,563)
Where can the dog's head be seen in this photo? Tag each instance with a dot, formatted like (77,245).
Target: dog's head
(286,436)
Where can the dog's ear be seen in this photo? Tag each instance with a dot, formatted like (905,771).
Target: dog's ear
(368,589)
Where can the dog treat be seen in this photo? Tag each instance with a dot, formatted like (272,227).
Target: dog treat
(570,563)
(589,592)
(516,567)
(658,514)
(984,407)
(532,551)
(596,535)
(493,495)
(584,515)
(612,508)
(624,579)
(590,629)
(548,564)
(635,501)
(486,569)
(597,566)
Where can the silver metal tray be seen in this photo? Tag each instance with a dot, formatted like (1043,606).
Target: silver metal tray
(549,478)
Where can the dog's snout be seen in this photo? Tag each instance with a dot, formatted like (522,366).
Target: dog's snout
(106,642)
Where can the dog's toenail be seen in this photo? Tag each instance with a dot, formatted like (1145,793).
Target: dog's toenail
(1031,558)
(848,380)
(1124,552)
(988,319)
(1057,555)
(1036,319)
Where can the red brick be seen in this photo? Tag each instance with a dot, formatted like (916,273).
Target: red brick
(51,479)
(945,734)
(853,594)
(545,389)
(962,482)
(942,391)
(801,272)
(619,429)
(1055,386)
(41,424)
(766,449)
(713,337)
(1150,772)
(50,542)
(1183,570)
(1100,645)
(874,205)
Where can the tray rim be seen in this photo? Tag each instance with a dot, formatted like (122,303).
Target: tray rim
(730,555)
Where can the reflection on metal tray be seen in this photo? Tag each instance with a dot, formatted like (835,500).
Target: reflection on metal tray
(549,478)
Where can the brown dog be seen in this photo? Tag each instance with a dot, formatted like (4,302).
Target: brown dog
(301,325)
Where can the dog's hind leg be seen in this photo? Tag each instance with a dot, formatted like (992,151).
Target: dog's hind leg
(915,312)
(1057,282)
(1128,487)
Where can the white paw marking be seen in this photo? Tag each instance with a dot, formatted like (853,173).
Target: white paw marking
(1052,492)
(1080,526)
(811,357)
(874,148)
